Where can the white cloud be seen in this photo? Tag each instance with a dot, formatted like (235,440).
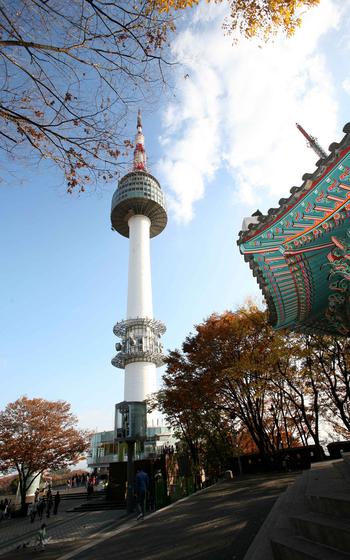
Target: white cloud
(236,106)
(346,85)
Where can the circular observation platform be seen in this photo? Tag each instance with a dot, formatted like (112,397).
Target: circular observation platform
(138,326)
(138,192)
(122,359)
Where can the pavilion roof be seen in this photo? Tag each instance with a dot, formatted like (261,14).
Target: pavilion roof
(299,250)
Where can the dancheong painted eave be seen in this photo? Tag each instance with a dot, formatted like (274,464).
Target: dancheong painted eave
(300,251)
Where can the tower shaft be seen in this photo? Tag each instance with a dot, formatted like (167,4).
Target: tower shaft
(140,381)
(139,279)
(140,377)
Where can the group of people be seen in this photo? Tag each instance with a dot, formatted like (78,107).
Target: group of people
(43,505)
(5,509)
(77,480)
(167,449)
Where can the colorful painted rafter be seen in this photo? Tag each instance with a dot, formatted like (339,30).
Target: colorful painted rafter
(298,249)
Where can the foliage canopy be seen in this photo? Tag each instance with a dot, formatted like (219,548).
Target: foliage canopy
(35,435)
(237,386)
(255,18)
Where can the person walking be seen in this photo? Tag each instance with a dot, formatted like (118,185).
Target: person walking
(142,486)
(7,510)
(57,500)
(29,511)
(41,507)
(2,509)
(10,509)
(49,505)
(33,511)
(90,489)
(42,536)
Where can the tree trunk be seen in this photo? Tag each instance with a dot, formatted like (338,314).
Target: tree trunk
(23,492)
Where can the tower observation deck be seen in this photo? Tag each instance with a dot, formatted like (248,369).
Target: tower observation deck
(139,213)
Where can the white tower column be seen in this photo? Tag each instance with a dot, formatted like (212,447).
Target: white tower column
(140,377)
(139,281)
(140,381)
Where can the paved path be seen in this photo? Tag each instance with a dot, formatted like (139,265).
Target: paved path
(218,523)
(67,529)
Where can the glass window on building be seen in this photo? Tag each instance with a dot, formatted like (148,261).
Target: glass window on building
(139,344)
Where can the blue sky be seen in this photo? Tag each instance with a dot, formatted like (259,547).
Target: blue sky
(222,143)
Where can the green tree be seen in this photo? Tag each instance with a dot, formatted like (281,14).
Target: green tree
(219,385)
(36,435)
(330,358)
(236,375)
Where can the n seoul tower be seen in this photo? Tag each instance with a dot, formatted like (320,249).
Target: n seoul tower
(139,213)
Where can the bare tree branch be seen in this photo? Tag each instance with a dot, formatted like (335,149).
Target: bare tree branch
(71,71)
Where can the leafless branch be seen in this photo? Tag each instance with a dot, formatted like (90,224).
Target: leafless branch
(70,73)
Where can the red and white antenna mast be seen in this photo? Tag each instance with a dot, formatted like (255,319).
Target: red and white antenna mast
(312,142)
(139,163)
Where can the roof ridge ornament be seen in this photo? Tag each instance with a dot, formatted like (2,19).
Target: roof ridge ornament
(139,163)
(312,142)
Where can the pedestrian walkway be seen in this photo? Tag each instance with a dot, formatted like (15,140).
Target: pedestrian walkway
(217,523)
(64,529)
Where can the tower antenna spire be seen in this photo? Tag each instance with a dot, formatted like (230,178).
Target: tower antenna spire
(312,142)
(140,160)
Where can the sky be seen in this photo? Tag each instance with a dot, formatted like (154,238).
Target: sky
(222,142)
